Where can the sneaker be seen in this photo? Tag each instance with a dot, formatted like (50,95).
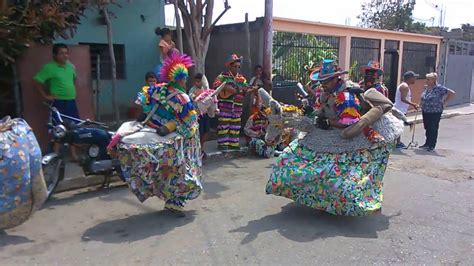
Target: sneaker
(401,146)
(430,149)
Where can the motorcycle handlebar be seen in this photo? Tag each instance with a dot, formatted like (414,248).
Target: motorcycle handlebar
(82,122)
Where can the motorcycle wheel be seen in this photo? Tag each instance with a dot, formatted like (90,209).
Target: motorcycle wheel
(52,174)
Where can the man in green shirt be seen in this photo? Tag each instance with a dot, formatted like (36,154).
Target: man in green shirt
(56,83)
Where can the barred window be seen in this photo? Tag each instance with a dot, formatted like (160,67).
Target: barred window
(102,50)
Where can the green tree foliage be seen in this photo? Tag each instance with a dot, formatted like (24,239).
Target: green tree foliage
(390,15)
(25,22)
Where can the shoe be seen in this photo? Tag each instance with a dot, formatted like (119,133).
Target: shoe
(401,146)
(176,209)
(430,149)
(424,146)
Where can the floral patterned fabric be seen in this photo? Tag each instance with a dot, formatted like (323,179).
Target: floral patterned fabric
(22,189)
(432,100)
(170,170)
(349,183)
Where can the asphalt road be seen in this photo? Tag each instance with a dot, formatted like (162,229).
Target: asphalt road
(427,218)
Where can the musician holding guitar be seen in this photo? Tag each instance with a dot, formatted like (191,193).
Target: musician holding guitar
(230,103)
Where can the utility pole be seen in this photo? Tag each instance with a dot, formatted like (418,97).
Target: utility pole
(268,37)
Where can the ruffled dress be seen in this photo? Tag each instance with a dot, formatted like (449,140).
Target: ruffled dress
(342,177)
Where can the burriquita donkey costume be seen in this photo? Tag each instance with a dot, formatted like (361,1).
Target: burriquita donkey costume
(338,169)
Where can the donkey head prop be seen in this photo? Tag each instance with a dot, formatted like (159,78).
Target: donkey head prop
(283,117)
(207,100)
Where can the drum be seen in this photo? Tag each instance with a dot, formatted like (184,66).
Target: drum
(152,165)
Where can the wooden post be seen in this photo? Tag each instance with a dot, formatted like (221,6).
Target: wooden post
(247,37)
(268,37)
(113,65)
(400,62)
(178,26)
(97,89)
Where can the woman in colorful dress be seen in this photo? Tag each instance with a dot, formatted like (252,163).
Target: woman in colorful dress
(230,104)
(326,170)
(169,165)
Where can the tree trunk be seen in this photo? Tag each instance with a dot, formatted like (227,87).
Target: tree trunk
(113,65)
(16,91)
(178,26)
(198,29)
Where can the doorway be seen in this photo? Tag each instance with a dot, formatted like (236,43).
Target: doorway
(390,68)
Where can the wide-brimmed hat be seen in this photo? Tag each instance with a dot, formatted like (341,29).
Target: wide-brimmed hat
(328,69)
(232,59)
(372,65)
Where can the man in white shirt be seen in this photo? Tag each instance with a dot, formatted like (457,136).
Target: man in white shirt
(403,97)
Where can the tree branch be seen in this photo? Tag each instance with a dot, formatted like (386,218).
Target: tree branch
(208,31)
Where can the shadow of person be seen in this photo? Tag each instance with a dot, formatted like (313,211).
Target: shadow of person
(136,227)
(302,224)
(212,190)
(7,240)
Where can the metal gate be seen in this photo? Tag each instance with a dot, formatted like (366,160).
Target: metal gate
(363,50)
(294,52)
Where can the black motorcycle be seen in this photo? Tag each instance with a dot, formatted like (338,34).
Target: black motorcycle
(90,139)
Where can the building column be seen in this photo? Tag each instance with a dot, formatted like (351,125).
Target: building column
(382,52)
(345,52)
(400,61)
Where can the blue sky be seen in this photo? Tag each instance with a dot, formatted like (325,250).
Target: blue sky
(337,11)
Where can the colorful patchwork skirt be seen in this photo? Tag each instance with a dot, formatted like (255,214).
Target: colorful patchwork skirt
(169,168)
(229,123)
(348,183)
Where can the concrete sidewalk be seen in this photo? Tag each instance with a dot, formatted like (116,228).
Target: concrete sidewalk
(75,176)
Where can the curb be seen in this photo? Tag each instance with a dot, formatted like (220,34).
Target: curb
(443,116)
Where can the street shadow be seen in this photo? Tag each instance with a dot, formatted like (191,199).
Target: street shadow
(302,224)
(429,153)
(136,227)
(8,240)
(212,190)
(111,192)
